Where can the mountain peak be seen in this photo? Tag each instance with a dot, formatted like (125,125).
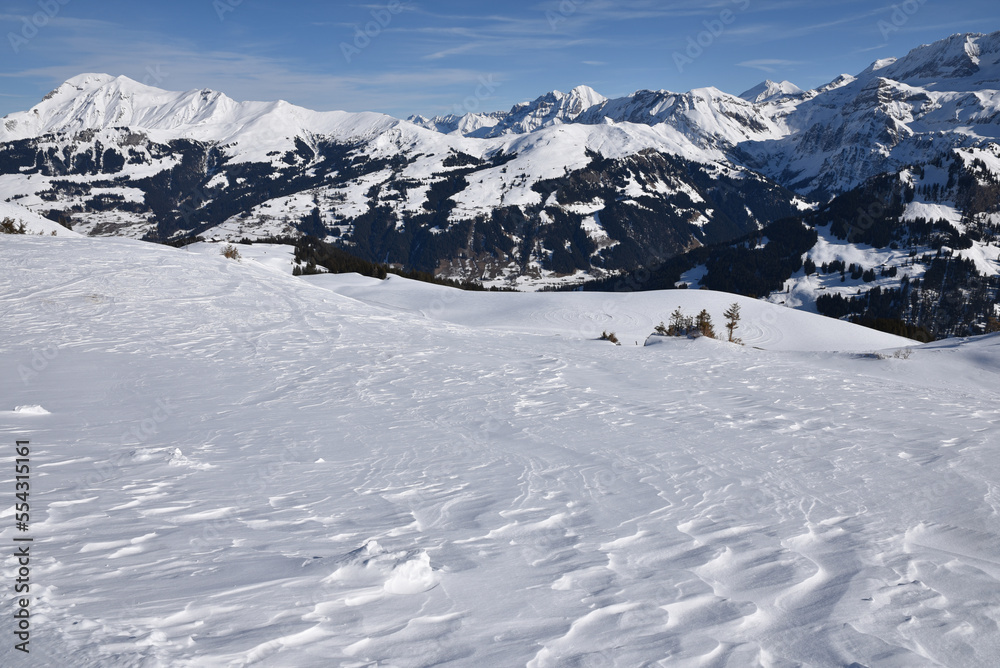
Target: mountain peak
(585,97)
(768,90)
(91,80)
(959,56)
(93,101)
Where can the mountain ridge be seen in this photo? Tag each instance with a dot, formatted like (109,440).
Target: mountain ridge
(567,187)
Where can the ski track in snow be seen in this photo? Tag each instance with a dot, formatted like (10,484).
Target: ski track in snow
(243,468)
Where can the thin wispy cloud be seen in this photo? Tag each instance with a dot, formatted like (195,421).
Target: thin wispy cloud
(428,55)
(770,65)
(877,47)
(178,65)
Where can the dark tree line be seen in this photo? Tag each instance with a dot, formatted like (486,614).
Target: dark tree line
(953,299)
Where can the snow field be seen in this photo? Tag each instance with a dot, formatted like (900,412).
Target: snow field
(33,223)
(632,316)
(239,467)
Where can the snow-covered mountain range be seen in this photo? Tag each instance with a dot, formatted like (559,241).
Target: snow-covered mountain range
(235,464)
(819,142)
(567,187)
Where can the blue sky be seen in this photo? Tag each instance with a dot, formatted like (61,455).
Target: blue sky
(432,57)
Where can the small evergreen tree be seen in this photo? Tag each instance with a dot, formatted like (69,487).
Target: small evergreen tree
(660,329)
(676,320)
(703,324)
(609,336)
(732,315)
(680,324)
(10,226)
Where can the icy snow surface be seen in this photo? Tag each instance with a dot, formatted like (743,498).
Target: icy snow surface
(240,467)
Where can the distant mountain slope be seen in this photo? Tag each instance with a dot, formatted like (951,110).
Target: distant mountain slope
(549,109)
(112,156)
(897,112)
(768,91)
(916,249)
(565,188)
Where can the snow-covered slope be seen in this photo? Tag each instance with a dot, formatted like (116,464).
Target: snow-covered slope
(632,317)
(705,117)
(553,108)
(232,466)
(966,60)
(769,91)
(897,112)
(100,101)
(464,124)
(934,260)
(33,223)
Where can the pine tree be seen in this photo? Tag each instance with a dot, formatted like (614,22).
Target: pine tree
(660,329)
(679,323)
(732,315)
(703,324)
(10,226)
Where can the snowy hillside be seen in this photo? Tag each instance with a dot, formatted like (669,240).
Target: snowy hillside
(631,316)
(566,188)
(915,252)
(232,466)
(113,157)
(33,223)
(554,108)
(897,112)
